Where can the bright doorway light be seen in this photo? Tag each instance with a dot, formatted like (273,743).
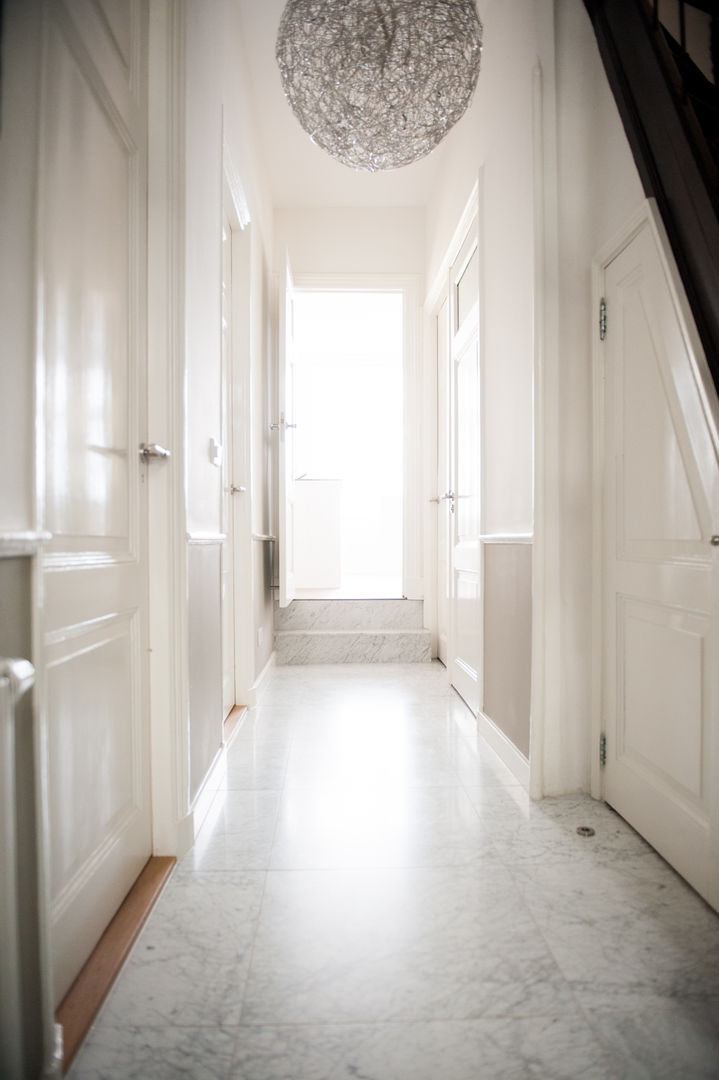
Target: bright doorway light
(349,412)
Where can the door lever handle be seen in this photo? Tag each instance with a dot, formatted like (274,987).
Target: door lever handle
(154,450)
(236,489)
(441,498)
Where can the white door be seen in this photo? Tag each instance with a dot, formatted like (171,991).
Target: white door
(227,561)
(286,430)
(443,498)
(92,388)
(464,507)
(661,655)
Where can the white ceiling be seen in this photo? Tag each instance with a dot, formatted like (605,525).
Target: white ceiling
(300,173)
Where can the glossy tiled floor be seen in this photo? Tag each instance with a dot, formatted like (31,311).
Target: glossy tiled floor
(374,897)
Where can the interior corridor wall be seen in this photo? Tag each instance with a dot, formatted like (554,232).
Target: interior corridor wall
(493,146)
(598,190)
(217,124)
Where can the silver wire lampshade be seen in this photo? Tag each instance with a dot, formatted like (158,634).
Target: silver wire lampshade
(378,83)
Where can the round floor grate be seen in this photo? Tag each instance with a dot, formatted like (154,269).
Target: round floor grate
(585,830)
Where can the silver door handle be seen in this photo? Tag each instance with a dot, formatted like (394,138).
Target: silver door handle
(281,424)
(153,450)
(441,498)
(236,489)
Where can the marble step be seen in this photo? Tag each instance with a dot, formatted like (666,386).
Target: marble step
(350,615)
(352,646)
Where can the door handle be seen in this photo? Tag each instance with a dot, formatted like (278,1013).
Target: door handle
(236,489)
(154,450)
(447,495)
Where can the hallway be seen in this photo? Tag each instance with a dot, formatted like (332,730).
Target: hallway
(374,896)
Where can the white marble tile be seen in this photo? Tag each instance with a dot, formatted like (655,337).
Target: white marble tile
(256,765)
(356,826)
(352,646)
(622,942)
(342,757)
(350,615)
(670,1040)
(189,964)
(457,943)
(136,1053)
(237,833)
(540,1048)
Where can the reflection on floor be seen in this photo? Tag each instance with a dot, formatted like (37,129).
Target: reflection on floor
(374,896)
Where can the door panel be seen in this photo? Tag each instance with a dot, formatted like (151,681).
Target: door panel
(661,696)
(444,482)
(92,279)
(227,565)
(466,548)
(286,386)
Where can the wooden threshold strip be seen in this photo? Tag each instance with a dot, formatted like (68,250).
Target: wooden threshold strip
(232,722)
(82,1002)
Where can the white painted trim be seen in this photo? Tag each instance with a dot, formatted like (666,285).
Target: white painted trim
(507,538)
(545,712)
(261,679)
(13,544)
(413,516)
(513,758)
(235,188)
(205,537)
(241,441)
(439,284)
(169,689)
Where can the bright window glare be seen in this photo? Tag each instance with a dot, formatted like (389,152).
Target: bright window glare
(349,410)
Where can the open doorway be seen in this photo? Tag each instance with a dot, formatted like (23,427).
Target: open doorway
(348,349)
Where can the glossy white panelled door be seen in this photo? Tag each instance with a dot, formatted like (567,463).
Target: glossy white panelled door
(230,490)
(285,427)
(444,483)
(92,384)
(661,609)
(464,507)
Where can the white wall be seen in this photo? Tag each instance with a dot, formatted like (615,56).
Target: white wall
(356,240)
(494,141)
(598,188)
(217,116)
(18,148)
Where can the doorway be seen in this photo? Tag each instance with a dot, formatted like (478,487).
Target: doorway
(349,445)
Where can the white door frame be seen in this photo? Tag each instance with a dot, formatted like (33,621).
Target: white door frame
(646,214)
(438,292)
(167,588)
(414,582)
(236,208)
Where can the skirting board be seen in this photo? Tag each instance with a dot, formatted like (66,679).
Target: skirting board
(513,758)
(259,681)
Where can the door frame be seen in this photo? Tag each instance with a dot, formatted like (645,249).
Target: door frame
(414,580)
(436,294)
(237,211)
(646,215)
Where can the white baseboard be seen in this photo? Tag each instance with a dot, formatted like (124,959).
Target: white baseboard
(257,685)
(513,758)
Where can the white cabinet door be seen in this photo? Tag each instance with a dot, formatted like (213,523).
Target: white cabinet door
(661,649)
(92,389)
(286,452)
(465,507)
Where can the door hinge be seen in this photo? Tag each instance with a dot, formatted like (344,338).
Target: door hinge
(602,750)
(602,319)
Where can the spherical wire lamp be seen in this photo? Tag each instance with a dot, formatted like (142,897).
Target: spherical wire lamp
(378,83)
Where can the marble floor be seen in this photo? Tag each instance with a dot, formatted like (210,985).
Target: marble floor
(373,897)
